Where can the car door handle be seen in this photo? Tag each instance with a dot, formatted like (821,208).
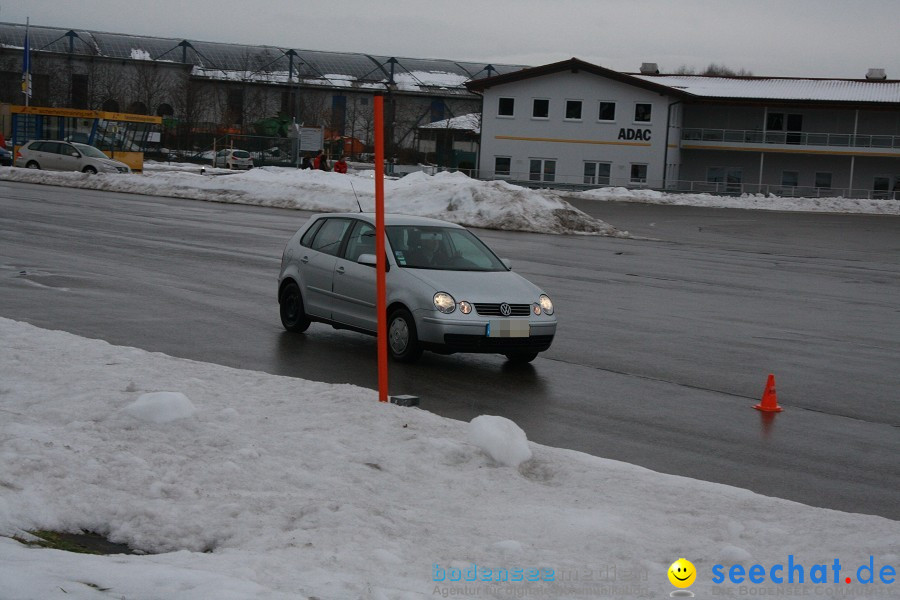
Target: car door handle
(304,260)
(340,270)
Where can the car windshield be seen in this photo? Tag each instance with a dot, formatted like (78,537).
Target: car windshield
(90,151)
(440,248)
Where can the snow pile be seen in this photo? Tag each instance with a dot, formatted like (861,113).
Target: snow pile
(449,196)
(746,201)
(161,407)
(501,439)
(281,488)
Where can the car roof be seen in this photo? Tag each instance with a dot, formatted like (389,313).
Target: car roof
(392,219)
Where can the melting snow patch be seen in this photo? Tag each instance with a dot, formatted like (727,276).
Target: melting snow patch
(501,439)
(161,407)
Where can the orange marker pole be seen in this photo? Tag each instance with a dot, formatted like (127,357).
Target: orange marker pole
(380,287)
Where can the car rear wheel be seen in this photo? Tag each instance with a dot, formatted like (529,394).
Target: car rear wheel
(521,357)
(89,170)
(32,164)
(293,315)
(403,340)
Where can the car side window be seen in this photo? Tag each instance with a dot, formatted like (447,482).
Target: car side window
(331,233)
(307,238)
(67,149)
(362,241)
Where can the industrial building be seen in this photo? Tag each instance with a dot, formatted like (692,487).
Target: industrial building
(208,89)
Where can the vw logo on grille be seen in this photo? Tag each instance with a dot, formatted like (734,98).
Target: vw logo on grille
(505,309)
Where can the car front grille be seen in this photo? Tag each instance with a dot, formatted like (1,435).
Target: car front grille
(493,310)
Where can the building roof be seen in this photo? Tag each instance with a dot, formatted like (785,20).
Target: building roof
(574,65)
(782,88)
(710,88)
(269,64)
(469,122)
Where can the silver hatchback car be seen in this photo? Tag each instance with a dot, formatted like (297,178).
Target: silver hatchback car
(55,155)
(446,290)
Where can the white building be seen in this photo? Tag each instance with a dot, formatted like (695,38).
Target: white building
(575,123)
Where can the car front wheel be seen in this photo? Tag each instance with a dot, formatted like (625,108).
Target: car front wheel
(293,315)
(403,340)
(33,165)
(90,170)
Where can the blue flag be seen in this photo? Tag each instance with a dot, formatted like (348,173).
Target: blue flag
(26,67)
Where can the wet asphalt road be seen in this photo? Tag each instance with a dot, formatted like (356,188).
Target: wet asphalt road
(664,344)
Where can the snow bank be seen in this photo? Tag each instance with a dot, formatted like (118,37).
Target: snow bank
(449,196)
(746,201)
(278,487)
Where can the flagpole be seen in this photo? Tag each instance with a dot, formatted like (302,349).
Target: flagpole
(26,65)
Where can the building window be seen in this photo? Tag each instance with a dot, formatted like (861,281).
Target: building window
(881,185)
(502,166)
(607,111)
(642,112)
(542,169)
(790,178)
(823,180)
(573,110)
(541,108)
(638,173)
(506,107)
(79,91)
(728,179)
(775,122)
(596,173)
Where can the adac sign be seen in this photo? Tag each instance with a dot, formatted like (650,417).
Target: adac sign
(627,133)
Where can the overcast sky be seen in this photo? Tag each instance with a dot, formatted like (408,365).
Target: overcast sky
(794,38)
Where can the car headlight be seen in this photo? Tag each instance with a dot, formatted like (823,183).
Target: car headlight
(444,302)
(546,304)
(464,307)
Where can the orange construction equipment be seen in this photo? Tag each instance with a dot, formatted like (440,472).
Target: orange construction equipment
(769,401)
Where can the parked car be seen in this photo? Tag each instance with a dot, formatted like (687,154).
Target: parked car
(446,290)
(231,158)
(55,155)
(6,157)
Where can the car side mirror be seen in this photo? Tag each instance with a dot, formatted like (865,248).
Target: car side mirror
(75,154)
(372,261)
(507,263)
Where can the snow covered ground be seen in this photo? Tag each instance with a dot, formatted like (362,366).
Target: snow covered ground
(245,485)
(242,485)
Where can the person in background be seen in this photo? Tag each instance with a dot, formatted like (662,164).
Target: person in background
(320,162)
(340,166)
(305,163)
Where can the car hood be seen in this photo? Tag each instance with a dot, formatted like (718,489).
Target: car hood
(480,286)
(108,162)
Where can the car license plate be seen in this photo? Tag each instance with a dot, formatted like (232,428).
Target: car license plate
(508,328)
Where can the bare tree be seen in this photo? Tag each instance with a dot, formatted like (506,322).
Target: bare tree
(147,84)
(713,70)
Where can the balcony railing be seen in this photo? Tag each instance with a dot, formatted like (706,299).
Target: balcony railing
(799,138)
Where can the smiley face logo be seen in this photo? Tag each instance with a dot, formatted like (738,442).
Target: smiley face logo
(682,573)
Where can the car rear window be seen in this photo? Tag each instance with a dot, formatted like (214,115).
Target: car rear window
(241,154)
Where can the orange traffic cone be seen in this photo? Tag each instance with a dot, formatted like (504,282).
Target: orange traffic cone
(769,401)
